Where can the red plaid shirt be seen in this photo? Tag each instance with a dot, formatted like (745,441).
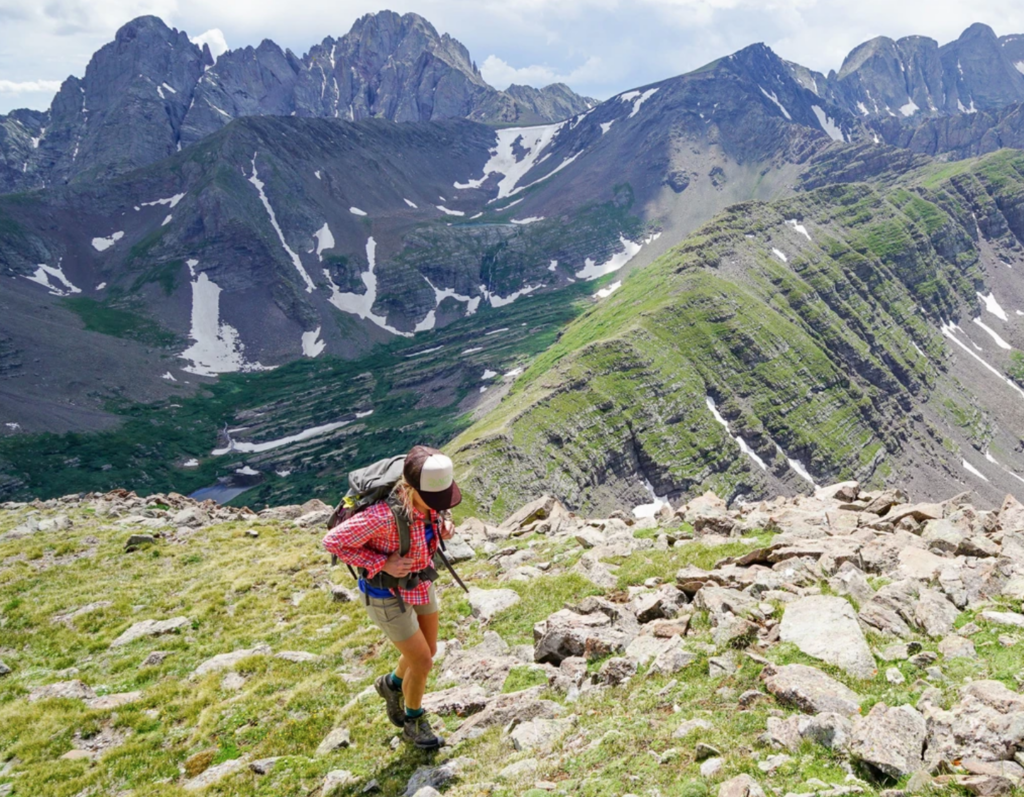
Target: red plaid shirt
(366,539)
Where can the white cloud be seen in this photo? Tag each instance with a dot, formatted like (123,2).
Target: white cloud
(215,38)
(26,86)
(500,74)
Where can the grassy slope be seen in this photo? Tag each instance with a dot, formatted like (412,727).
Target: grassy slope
(815,354)
(240,592)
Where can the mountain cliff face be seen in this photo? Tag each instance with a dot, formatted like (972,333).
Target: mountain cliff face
(152,91)
(854,331)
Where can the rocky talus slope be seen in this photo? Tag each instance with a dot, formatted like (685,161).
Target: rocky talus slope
(842,644)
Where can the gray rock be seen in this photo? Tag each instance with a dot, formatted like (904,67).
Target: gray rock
(335,779)
(828,729)
(719,666)
(691,726)
(526,768)
(486,603)
(70,690)
(703,751)
(539,735)
(458,700)
(147,628)
(935,614)
(672,660)
(4,669)
(337,739)
(810,690)
(732,631)
(297,656)
(567,633)
(137,540)
(502,709)
(156,658)
(616,671)
(342,594)
(1004,618)
(850,580)
(711,767)
(264,765)
(437,777)
(956,647)
(942,537)
(590,567)
(890,739)
(112,702)
(232,682)
(225,661)
(487,664)
(213,775)
(741,786)
(826,628)
(458,550)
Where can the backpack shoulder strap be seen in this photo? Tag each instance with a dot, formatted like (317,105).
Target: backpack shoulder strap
(402,519)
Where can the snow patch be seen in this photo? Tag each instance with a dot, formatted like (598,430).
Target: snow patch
(312,346)
(947,329)
(474,350)
(103,244)
(495,331)
(992,306)
(780,255)
(424,351)
(863,109)
(604,293)
(324,241)
(411,204)
(255,180)
(1020,66)
(799,228)
(440,294)
(771,96)
(529,220)
(606,126)
(1002,344)
(739,440)
(448,212)
(270,445)
(653,508)
(190,463)
(592,270)
(364,414)
(169,377)
(101,286)
(52,278)
(973,470)
(553,265)
(500,301)
(247,471)
(217,348)
(284,474)
(828,125)
(513,373)
(532,141)
(489,374)
(167,220)
(361,304)
(799,469)
(638,98)
(317,174)
(910,108)
(171,201)
(356,211)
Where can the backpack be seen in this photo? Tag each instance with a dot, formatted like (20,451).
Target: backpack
(371,485)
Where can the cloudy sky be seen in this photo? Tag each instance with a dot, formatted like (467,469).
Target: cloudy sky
(598,47)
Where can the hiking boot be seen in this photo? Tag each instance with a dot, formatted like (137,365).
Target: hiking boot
(393,700)
(419,733)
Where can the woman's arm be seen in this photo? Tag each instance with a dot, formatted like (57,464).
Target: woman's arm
(348,540)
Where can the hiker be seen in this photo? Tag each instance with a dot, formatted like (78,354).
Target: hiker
(398,591)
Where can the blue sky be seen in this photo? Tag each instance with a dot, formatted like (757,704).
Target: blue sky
(599,47)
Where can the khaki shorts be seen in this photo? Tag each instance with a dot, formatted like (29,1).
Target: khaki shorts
(397,625)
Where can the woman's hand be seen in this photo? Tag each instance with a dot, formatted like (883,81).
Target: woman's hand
(397,565)
(447,527)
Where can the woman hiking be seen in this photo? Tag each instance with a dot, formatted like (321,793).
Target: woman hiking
(398,590)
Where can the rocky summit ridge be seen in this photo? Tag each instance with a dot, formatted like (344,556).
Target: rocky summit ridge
(152,91)
(846,643)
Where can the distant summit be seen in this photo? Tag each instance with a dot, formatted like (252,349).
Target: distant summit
(152,91)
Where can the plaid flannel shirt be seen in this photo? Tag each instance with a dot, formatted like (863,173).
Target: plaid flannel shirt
(365,541)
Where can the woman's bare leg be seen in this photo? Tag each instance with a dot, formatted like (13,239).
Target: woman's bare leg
(414,665)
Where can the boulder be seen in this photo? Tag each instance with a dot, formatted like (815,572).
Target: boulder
(486,603)
(920,565)
(934,613)
(502,709)
(826,628)
(810,690)
(458,700)
(213,775)
(567,633)
(956,647)
(112,702)
(1011,516)
(297,656)
(337,739)
(4,669)
(539,735)
(436,777)
(672,659)
(487,664)
(592,568)
(851,580)
(1004,618)
(146,628)
(890,740)
(741,786)
(69,690)
(226,661)
(336,779)
(457,549)
(533,512)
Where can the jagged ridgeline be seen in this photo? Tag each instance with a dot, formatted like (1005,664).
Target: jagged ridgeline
(782,344)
